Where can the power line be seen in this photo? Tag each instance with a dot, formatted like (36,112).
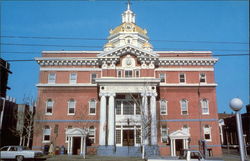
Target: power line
(86,38)
(83,46)
(37,52)
(40,37)
(20,60)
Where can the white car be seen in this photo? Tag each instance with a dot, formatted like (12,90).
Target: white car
(19,153)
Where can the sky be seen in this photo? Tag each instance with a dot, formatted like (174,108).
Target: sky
(218,26)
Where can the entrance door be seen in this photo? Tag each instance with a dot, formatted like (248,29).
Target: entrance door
(76,145)
(179,146)
(128,138)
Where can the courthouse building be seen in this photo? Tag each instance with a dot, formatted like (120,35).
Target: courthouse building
(127,95)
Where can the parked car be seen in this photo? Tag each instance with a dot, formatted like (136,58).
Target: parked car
(19,153)
(189,155)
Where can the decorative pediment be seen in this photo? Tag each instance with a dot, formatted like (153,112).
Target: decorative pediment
(179,134)
(127,49)
(76,132)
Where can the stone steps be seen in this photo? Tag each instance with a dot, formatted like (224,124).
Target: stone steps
(132,151)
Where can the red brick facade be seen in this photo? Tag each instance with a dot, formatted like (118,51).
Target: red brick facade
(106,64)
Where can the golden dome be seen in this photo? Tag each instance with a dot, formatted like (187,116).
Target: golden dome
(147,45)
(109,45)
(128,27)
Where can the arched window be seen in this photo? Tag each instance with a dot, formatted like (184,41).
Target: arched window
(163,107)
(92,134)
(92,107)
(184,107)
(204,107)
(71,107)
(49,107)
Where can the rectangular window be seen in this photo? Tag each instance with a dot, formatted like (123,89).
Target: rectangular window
(46,133)
(92,107)
(49,107)
(164,134)
(91,134)
(138,135)
(128,73)
(137,73)
(93,77)
(163,107)
(184,107)
(202,78)
(119,73)
(185,128)
(71,107)
(118,136)
(162,76)
(182,78)
(118,107)
(67,138)
(73,78)
(52,78)
(207,133)
(138,109)
(128,108)
(204,107)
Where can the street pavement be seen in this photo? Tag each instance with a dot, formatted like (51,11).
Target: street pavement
(231,155)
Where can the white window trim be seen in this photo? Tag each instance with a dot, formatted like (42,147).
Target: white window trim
(162,132)
(94,134)
(91,77)
(53,81)
(210,133)
(138,72)
(128,70)
(74,107)
(181,106)
(95,106)
(48,113)
(72,81)
(201,102)
(47,141)
(164,77)
(185,79)
(166,108)
(117,73)
(204,78)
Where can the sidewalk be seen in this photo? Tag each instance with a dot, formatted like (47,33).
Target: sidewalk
(91,158)
(231,155)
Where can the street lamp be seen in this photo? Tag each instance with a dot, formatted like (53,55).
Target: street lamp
(236,104)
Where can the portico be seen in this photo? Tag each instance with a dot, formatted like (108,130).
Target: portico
(74,136)
(117,104)
(179,141)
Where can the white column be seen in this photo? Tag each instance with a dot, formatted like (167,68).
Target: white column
(153,119)
(71,145)
(68,145)
(81,150)
(171,146)
(102,129)
(145,109)
(84,147)
(174,150)
(111,119)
